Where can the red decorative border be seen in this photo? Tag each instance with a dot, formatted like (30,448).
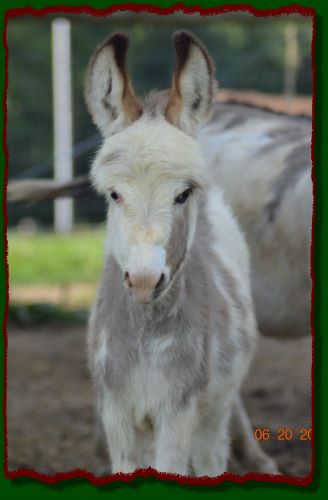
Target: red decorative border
(80,473)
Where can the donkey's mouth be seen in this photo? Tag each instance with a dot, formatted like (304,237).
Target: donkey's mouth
(143,289)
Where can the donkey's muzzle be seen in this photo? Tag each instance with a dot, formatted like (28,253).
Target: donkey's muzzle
(143,287)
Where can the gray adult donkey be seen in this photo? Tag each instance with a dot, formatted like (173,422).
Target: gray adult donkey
(262,161)
(173,330)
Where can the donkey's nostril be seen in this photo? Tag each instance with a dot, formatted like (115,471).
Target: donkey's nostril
(160,281)
(127,281)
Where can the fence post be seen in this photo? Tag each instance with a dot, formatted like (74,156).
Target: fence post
(62,111)
(291,61)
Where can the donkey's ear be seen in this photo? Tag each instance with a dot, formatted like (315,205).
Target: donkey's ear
(109,94)
(193,89)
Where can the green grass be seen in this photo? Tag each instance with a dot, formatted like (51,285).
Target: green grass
(47,258)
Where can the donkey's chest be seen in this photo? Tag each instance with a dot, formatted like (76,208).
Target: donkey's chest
(147,391)
(139,370)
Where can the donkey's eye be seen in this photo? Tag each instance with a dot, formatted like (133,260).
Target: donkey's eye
(182,197)
(115,196)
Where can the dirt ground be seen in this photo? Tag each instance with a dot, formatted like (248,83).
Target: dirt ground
(50,403)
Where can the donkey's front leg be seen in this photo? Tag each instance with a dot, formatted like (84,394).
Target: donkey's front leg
(120,434)
(173,439)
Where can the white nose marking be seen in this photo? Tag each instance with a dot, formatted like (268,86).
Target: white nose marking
(146,259)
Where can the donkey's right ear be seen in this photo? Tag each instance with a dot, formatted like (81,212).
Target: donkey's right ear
(109,95)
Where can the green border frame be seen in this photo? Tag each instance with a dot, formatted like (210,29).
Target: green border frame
(148,487)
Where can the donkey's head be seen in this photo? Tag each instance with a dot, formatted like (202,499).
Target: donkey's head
(149,167)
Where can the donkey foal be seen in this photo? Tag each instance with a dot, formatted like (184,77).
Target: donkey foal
(172,331)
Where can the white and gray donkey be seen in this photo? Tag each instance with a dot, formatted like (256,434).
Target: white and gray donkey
(172,331)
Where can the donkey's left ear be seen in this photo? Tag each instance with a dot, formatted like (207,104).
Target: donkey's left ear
(193,90)
(109,94)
